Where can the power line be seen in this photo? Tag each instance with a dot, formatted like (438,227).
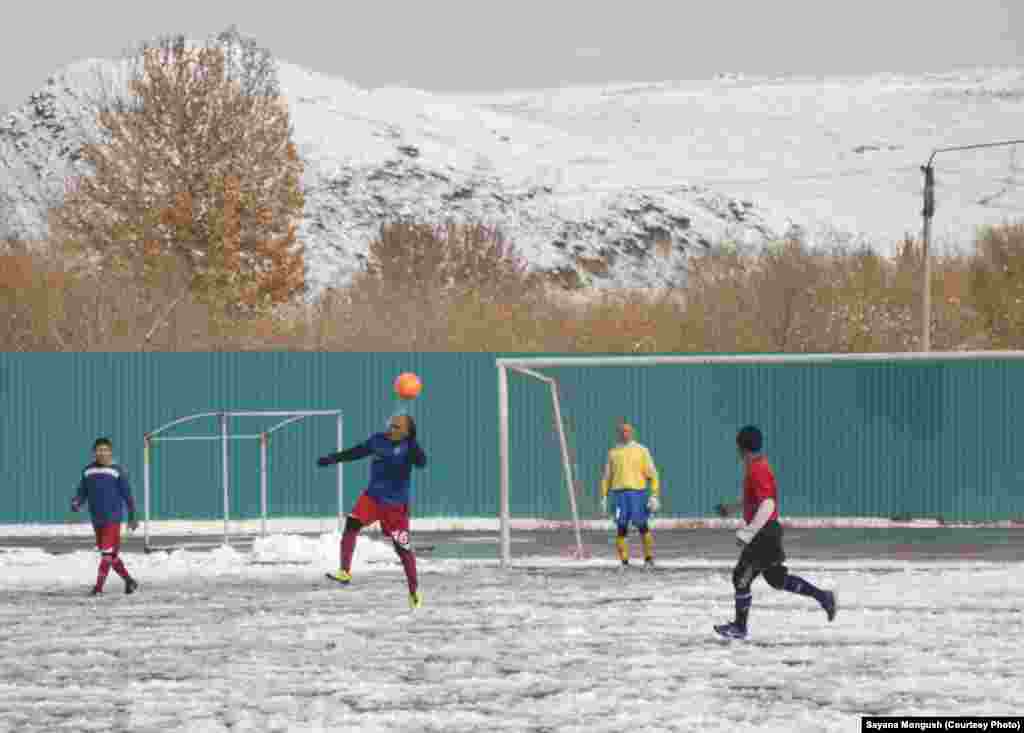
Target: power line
(1002,207)
(806,177)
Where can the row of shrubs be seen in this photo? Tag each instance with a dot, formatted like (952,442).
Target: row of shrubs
(468,289)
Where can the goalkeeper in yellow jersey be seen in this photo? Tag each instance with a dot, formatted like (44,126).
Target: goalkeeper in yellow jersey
(626,474)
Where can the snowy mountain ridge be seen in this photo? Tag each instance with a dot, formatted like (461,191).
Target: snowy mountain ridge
(609,186)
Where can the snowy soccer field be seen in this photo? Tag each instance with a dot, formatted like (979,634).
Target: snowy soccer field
(226,640)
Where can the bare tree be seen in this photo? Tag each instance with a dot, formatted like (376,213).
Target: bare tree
(785,283)
(997,284)
(415,281)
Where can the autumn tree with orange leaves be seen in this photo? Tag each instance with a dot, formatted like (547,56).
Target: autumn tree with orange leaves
(197,171)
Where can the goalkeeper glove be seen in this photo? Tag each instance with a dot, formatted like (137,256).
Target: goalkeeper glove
(324,461)
(744,536)
(76,504)
(604,504)
(653,504)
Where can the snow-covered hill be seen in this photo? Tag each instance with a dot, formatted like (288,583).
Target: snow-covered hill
(616,184)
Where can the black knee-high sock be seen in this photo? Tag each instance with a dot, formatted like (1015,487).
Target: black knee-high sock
(796,584)
(743,601)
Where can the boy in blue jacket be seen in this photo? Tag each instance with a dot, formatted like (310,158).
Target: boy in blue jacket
(105,487)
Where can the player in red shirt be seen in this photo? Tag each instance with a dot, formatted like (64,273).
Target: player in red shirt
(761,538)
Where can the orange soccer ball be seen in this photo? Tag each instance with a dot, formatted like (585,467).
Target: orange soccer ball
(408,386)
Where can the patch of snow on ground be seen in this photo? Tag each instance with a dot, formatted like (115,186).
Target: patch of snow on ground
(230,641)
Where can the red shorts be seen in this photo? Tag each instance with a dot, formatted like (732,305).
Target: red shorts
(108,537)
(393,518)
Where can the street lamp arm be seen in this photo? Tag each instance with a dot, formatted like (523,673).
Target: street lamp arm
(927,213)
(972,147)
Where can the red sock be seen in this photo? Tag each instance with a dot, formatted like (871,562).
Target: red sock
(119,567)
(101,576)
(409,563)
(348,547)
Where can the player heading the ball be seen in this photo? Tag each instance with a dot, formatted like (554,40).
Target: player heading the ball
(386,499)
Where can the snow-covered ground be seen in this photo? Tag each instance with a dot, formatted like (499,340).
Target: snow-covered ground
(299,525)
(228,641)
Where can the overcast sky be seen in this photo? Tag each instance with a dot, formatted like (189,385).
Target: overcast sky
(488,45)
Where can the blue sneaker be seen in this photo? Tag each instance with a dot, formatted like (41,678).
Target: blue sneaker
(731,630)
(831,604)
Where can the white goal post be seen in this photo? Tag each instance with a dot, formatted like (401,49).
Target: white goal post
(225,436)
(563,444)
(528,366)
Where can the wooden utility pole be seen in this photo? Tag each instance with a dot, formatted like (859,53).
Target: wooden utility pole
(926,232)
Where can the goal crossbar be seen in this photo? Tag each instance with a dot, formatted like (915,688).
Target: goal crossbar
(174,438)
(528,366)
(542,362)
(225,436)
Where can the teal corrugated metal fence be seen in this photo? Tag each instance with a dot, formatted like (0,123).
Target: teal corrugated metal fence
(920,439)
(848,439)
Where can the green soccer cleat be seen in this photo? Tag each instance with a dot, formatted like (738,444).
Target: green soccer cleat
(415,600)
(342,576)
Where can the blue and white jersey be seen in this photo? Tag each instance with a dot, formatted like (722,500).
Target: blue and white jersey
(391,467)
(107,491)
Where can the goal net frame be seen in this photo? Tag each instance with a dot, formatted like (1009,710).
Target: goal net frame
(225,436)
(528,366)
(571,482)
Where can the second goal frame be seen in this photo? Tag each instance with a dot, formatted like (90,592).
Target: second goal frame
(225,436)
